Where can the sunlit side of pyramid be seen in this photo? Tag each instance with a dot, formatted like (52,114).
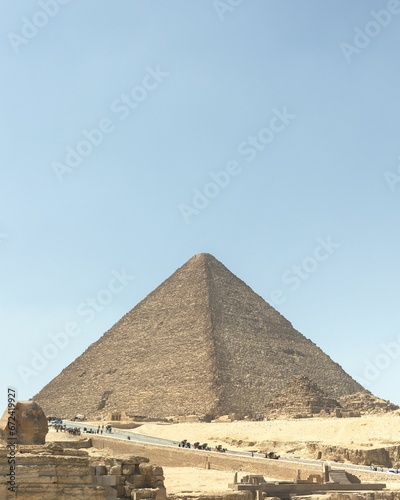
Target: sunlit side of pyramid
(201,343)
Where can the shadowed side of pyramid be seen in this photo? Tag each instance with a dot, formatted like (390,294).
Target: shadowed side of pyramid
(301,398)
(202,342)
(258,351)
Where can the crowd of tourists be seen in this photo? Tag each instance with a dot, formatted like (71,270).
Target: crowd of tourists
(99,430)
(74,431)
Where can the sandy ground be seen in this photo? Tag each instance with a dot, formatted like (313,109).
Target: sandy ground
(177,479)
(53,435)
(358,432)
(188,479)
(371,431)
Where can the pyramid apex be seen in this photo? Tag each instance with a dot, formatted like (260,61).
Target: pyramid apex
(202,257)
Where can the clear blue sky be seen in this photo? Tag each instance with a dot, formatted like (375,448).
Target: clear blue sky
(120,118)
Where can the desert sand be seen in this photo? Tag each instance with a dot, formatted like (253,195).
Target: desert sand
(362,432)
(189,479)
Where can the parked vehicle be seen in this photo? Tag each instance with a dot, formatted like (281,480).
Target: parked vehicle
(79,418)
(56,421)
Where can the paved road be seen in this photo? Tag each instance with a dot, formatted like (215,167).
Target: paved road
(122,434)
(143,438)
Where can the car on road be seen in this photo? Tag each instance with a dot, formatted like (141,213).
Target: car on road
(56,421)
(79,418)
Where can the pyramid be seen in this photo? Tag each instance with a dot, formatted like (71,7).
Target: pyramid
(300,398)
(201,343)
(365,403)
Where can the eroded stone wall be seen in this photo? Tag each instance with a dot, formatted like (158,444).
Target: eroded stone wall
(387,457)
(48,473)
(130,477)
(52,472)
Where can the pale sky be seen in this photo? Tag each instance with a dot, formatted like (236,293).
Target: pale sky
(136,134)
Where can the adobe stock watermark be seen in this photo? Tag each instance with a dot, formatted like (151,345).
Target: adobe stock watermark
(393,178)
(388,353)
(122,107)
(31,27)
(363,37)
(222,7)
(294,276)
(3,237)
(250,149)
(87,310)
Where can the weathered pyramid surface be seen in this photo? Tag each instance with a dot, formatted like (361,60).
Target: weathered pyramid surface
(300,398)
(365,403)
(201,343)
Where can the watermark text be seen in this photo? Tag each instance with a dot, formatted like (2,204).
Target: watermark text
(223,7)
(31,27)
(11,441)
(393,178)
(363,37)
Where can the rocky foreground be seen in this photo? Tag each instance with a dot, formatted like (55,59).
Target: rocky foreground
(46,464)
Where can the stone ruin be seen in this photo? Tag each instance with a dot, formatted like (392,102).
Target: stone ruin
(33,470)
(301,398)
(47,472)
(365,403)
(53,472)
(131,477)
(330,481)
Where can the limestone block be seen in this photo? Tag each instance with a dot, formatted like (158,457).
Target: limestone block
(135,460)
(161,493)
(138,481)
(101,470)
(98,480)
(27,476)
(157,470)
(110,480)
(110,493)
(121,480)
(127,491)
(128,469)
(151,470)
(115,470)
(85,479)
(52,492)
(144,493)
(114,491)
